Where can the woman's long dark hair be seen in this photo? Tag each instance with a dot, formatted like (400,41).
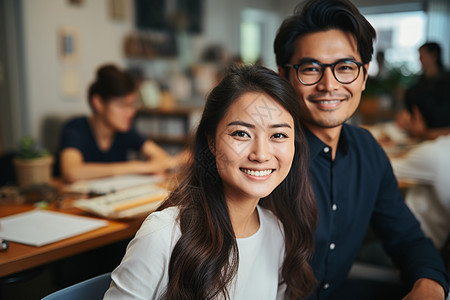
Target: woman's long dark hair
(205,258)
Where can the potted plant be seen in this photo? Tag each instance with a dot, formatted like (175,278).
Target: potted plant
(32,165)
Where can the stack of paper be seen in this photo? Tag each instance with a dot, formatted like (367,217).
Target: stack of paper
(41,227)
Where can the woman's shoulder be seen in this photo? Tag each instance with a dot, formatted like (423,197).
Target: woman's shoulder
(268,218)
(159,221)
(267,214)
(157,235)
(79,122)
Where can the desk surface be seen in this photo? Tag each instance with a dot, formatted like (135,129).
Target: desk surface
(20,257)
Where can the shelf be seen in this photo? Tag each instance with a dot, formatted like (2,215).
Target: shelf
(168,128)
(159,139)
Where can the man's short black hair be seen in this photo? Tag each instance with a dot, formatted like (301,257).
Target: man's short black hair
(322,15)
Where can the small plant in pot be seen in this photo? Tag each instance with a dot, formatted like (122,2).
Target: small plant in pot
(32,165)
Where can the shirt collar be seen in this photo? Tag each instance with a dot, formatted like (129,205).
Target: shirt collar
(316,145)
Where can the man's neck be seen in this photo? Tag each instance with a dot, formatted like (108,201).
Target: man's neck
(329,136)
(432,71)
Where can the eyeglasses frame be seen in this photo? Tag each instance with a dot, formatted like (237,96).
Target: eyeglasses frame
(324,66)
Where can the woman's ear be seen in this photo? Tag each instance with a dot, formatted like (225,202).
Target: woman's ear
(97,103)
(212,145)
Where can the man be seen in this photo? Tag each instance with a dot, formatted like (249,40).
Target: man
(324,50)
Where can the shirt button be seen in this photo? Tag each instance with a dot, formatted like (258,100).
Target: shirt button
(334,207)
(332,246)
(326,149)
(326,286)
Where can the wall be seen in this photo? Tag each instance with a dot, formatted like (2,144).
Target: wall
(100,40)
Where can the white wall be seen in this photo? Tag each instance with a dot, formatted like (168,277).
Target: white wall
(100,41)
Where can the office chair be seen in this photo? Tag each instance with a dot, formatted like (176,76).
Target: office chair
(90,289)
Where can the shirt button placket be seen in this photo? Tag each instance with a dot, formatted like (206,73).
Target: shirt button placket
(326,285)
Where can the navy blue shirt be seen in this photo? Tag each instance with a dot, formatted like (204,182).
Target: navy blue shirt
(354,191)
(77,133)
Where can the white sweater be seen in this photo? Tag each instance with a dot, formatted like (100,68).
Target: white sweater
(143,272)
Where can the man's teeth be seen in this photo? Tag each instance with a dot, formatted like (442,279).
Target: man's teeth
(329,101)
(257,173)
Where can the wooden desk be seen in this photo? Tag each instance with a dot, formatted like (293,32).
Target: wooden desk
(20,257)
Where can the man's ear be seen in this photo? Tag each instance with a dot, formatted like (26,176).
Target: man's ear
(366,66)
(281,72)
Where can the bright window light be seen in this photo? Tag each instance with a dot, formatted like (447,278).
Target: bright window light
(399,35)
(250,42)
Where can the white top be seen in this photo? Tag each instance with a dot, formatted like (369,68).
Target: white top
(143,272)
(429,164)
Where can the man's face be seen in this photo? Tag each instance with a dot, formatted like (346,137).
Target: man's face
(328,103)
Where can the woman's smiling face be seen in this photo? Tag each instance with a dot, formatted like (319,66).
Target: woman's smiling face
(254,146)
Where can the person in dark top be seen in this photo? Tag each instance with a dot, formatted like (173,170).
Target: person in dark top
(428,98)
(98,145)
(324,50)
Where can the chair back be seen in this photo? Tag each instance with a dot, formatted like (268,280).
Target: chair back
(90,289)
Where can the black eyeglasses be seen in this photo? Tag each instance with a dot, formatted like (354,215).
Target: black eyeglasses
(309,73)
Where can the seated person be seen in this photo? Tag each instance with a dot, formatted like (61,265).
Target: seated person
(97,146)
(431,93)
(426,119)
(429,165)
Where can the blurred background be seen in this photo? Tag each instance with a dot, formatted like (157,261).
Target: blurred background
(50,49)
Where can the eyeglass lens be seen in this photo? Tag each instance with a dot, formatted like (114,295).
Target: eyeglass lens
(343,71)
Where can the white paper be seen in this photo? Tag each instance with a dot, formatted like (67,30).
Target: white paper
(112,184)
(41,227)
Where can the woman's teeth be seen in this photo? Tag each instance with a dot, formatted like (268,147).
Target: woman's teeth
(257,173)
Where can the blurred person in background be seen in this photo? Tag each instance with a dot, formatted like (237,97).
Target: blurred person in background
(98,145)
(432,94)
(428,164)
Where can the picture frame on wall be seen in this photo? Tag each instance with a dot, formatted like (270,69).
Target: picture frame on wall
(118,10)
(69,44)
(75,2)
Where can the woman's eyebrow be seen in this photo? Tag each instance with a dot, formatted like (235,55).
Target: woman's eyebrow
(245,124)
(280,125)
(241,123)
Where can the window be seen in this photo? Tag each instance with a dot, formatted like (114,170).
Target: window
(399,36)
(250,42)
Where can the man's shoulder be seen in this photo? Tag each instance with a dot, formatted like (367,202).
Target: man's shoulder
(360,140)
(357,133)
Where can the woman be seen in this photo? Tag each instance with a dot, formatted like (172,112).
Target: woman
(97,146)
(212,238)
